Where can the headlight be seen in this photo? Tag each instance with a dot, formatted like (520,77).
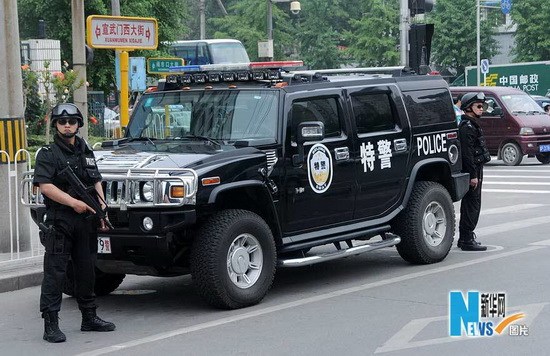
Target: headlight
(147,191)
(526,131)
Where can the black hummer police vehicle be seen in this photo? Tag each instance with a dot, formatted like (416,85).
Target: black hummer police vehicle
(231,174)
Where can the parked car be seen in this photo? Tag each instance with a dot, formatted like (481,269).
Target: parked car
(233,179)
(514,125)
(543,101)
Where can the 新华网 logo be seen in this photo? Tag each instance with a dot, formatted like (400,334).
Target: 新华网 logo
(481,314)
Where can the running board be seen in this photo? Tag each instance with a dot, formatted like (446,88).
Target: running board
(352,251)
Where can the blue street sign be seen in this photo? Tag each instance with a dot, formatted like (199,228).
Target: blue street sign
(484,66)
(506,6)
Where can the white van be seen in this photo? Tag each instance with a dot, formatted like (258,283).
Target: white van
(198,52)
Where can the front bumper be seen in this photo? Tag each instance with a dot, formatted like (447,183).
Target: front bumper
(530,145)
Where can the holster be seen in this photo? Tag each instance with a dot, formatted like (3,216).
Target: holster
(52,240)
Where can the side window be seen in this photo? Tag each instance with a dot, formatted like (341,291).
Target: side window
(492,107)
(373,112)
(320,109)
(429,107)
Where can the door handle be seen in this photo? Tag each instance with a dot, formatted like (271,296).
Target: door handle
(400,144)
(341,153)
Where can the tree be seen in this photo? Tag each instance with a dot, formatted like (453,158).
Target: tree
(533,22)
(319,36)
(374,37)
(246,21)
(171,17)
(454,41)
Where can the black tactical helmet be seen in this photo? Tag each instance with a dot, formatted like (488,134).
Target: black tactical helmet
(470,98)
(66,110)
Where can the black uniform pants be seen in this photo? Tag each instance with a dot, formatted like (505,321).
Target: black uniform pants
(470,209)
(73,237)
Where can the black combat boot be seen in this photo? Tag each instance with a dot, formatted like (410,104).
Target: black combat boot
(51,328)
(470,244)
(91,322)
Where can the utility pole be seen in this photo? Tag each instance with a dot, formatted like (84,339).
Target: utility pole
(202,19)
(14,222)
(404,20)
(79,61)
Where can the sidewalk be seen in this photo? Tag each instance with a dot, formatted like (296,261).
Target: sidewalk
(22,273)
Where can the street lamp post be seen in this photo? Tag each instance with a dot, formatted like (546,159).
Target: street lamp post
(294,8)
(478,31)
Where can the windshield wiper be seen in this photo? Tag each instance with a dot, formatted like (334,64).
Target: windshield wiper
(150,140)
(519,112)
(204,138)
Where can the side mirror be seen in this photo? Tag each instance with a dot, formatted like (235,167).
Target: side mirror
(307,131)
(310,131)
(497,111)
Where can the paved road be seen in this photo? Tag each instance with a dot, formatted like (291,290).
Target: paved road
(369,304)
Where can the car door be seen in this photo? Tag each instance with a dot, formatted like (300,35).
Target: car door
(382,154)
(494,124)
(319,190)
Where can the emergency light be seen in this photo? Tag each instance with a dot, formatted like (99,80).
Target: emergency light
(231,72)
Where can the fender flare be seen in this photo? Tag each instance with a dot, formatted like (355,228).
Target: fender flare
(414,173)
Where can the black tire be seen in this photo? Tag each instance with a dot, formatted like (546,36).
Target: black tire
(105,283)
(543,158)
(511,154)
(220,283)
(430,206)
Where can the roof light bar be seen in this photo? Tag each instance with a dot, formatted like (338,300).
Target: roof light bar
(231,72)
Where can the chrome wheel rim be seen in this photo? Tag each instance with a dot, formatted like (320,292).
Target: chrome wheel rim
(510,154)
(434,224)
(244,261)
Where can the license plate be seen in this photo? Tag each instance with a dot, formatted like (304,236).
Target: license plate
(103,245)
(544,148)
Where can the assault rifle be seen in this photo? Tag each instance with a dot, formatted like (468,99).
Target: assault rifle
(87,194)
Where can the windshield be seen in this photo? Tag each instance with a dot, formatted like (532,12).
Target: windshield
(228,53)
(226,115)
(521,103)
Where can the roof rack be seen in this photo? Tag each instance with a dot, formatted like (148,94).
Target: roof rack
(396,71)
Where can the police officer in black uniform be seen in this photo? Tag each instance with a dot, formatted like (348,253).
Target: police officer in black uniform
(474,155)
(71,232)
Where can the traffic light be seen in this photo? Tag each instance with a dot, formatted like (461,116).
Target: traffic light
(420,41)
(420,6)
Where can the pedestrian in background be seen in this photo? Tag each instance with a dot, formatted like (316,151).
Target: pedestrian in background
(70,232)
(458,110)
(474,155)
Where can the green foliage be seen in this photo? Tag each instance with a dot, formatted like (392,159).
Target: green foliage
(171,16)
(318,33)
(454,41)
(34,108)
(374,37)
(247,22)
(532,36)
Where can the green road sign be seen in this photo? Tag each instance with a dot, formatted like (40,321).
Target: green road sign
(162,65)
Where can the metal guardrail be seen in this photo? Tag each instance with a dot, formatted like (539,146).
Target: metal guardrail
(16,253)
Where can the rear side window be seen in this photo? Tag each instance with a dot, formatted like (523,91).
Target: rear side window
(373,112)
(429,107)
(318,109)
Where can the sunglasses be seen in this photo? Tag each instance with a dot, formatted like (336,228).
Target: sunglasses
(479,106)
(64,121)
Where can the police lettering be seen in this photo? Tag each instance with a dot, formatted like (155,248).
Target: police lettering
(428,145)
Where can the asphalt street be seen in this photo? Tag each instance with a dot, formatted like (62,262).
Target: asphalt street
(374,303)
